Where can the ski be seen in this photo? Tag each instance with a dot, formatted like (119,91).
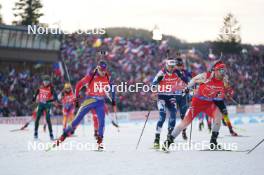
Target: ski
(236,136)
(102,150)
(49,148)
(55,144)
(153,148)
(159,150)
(224,150)
(20,129)
(23,128)
(98,150)
(249,151)
(162,151)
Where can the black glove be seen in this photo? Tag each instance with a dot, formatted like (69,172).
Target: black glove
(77,104)
(49,101)
(159,78)
(186,90)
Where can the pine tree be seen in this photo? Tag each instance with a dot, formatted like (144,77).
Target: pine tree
(28,12)
(230,31)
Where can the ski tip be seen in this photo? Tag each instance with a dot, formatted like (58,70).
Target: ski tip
(14,130)
(47,150)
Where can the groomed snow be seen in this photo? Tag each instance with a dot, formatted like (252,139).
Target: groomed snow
(121,158)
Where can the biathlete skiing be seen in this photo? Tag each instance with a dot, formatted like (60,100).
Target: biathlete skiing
(94,99)
(229,92)
(44,96)
(67,97)
(171,82)
(211,88)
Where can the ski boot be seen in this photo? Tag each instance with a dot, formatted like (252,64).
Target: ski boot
(60,139)
(232,132)
(52,137)
(44,127)
(157,141)
(213,142)
(201,126)
(167,143)
(68,132)
(100,143)
(210,128)
(184,135)
(36,136)
(224,123)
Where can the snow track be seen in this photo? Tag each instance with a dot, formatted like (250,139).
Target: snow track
(121,158)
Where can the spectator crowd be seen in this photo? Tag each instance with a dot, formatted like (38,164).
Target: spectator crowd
(131,60)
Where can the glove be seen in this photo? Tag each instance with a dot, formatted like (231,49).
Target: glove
(159,78)
(77,104)
(186,90)
(49,101)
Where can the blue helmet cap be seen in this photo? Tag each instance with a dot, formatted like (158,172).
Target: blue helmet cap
(102,65)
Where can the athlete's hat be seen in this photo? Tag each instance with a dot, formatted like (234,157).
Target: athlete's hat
(102,65)
(179,62)
(219,65)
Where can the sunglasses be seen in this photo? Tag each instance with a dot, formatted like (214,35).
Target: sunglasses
(222,71)
(170,67)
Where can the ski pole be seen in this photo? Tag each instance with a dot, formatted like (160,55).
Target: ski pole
(26,124)
(114,108)
(191,130)
(255,147)
(116,118)
(83,126)
(186,98)
(234,101)
(147,117)
(57,130)
(190,135)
